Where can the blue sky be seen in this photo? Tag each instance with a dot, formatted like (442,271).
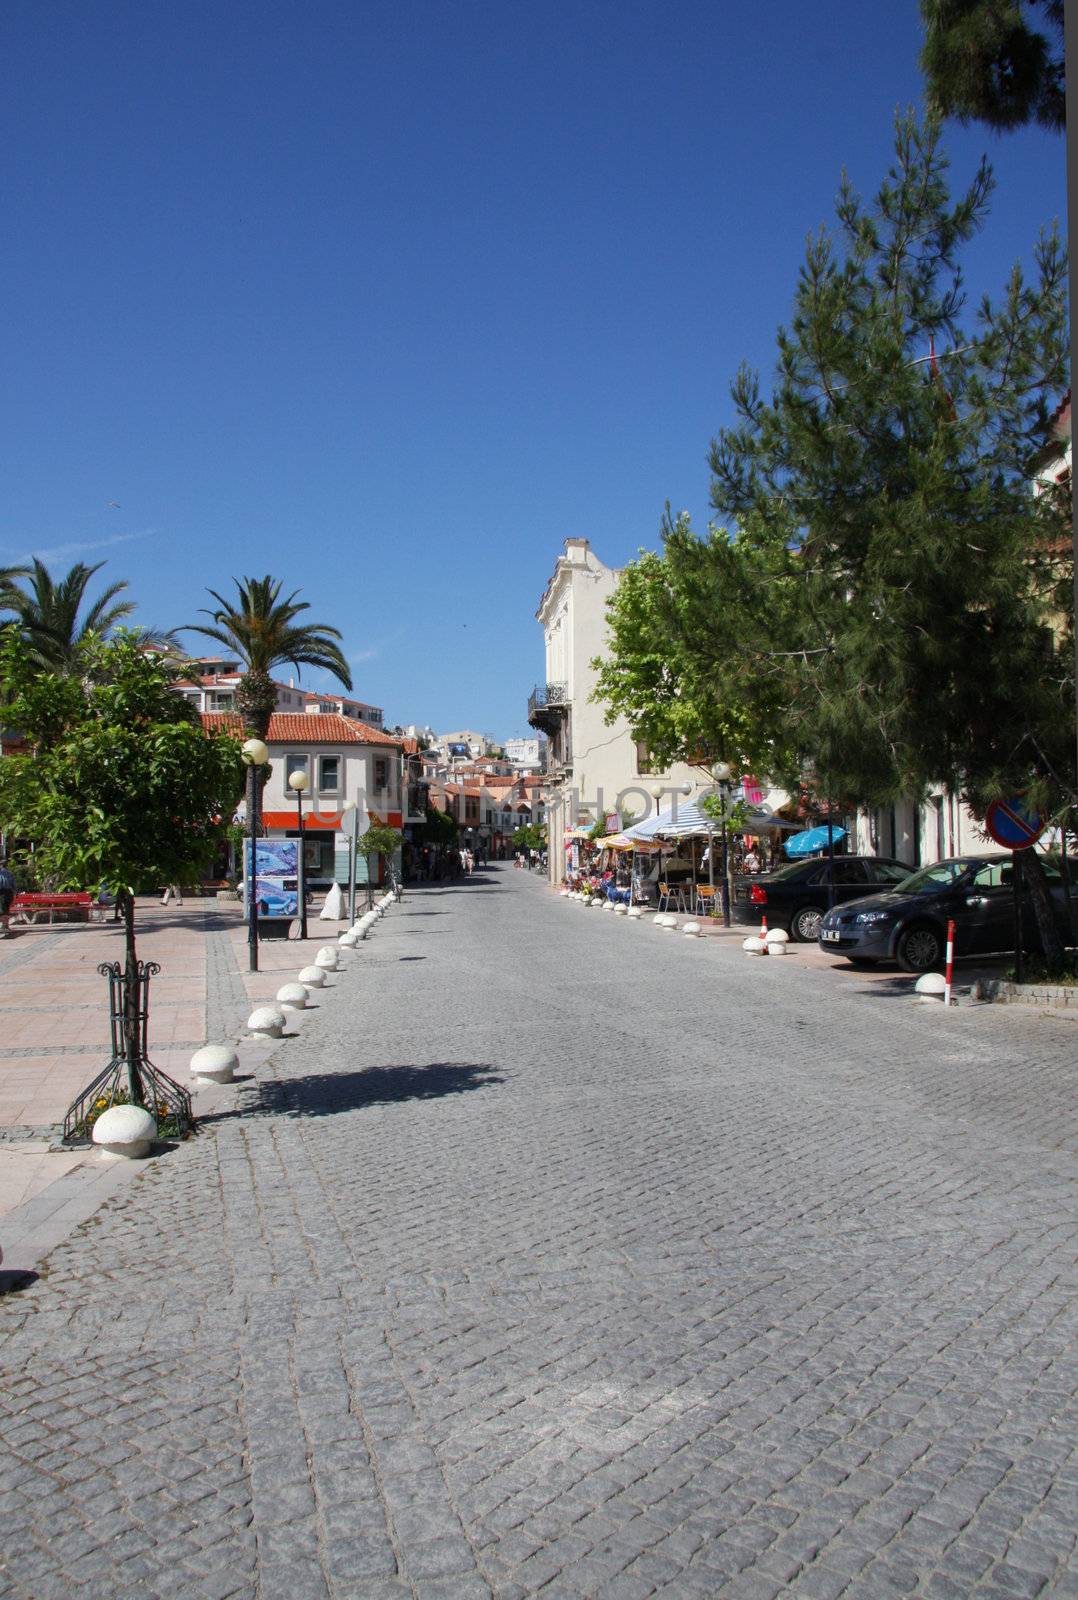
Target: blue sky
(390,299)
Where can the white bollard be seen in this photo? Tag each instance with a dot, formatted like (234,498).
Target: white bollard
(931,986)
(349,940)
(292,997)
(312,977)
(214,1063)
(266,1021)
(327,958)
(754,946)
(692,929)
(125,1131)
(778,942)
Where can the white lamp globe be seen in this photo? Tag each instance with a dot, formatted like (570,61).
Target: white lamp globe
(254,752)
(298,781)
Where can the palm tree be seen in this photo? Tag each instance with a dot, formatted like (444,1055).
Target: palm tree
(48,613)
(8,590)
(260,628)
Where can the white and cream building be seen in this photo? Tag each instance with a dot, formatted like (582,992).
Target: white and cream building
(594,770)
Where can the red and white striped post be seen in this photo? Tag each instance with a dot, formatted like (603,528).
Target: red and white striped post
(950,964)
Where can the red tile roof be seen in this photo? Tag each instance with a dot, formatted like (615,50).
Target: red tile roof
(298,727)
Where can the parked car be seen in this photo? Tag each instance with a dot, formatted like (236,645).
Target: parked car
(908,923)
(796,897)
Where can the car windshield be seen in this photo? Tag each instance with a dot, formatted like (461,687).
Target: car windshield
(932,880)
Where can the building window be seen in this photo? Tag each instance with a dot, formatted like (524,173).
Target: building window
(381,774)
(329,774)
(318,853)
(643,759)
(294,762)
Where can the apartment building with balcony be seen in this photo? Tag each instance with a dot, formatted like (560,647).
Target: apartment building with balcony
(593,768)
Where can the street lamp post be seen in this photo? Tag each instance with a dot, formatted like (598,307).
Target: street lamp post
(352,810)
(298,782)
(349,810)
(722,772)
(255,755)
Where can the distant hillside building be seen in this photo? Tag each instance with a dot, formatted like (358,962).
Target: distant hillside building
(219,677)
(524,754)
(464,745)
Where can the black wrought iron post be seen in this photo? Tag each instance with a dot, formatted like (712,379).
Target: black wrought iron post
(251,867)
(301,876)
(130,1076)
(830,859)
(721,774)
(255,754)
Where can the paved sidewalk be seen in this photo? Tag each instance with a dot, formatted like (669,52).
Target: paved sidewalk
(559,1255)
(54,1028)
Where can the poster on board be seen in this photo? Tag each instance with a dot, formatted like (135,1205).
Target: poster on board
(276,877)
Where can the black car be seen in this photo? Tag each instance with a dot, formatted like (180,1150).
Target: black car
(796,897)
(909,923)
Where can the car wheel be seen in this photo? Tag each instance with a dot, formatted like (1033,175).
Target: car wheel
(805,924)
(919,949)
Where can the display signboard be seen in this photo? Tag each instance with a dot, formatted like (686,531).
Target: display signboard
(1013,823)
(276,876)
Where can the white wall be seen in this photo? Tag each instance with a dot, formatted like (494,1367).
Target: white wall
(603,770)
(356,771)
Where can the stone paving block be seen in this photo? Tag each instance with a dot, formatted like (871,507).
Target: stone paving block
(291,1581)
(360,1557)
(607,1301)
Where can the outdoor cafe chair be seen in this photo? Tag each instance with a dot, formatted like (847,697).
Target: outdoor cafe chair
(671,897)
(705,899)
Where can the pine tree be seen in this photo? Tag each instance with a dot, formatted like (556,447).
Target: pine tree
(888,481)
(988,61)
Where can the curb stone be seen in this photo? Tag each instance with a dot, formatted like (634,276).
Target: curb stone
(1056,997)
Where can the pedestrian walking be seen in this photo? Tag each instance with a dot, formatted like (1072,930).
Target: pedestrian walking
(7,895)
(172,890)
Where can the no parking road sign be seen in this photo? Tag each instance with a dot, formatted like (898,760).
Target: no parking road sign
(1014,824)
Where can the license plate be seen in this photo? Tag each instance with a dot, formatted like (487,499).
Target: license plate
(830,936)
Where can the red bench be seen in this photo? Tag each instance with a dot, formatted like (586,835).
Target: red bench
(27,908)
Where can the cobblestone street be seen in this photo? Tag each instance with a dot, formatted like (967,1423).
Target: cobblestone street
(556,1255)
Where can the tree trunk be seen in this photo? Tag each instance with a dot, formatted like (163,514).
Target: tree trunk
(256,697)
(132,1039)
(1051,940)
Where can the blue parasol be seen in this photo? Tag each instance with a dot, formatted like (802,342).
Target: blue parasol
(813,839)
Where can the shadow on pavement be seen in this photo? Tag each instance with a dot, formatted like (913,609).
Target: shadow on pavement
(324,1094)
(12,1282)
